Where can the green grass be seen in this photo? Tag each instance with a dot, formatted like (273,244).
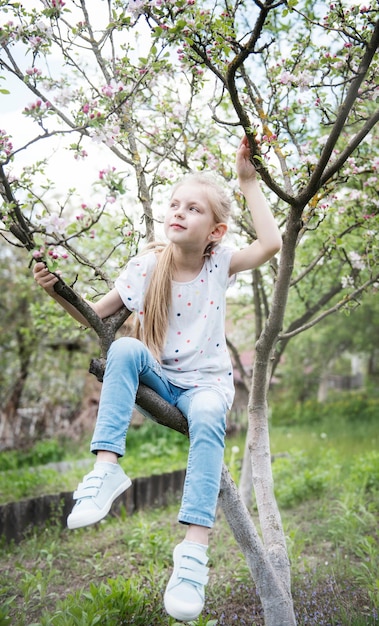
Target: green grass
(327,488)
(348,438)
(115,573)
(153,449)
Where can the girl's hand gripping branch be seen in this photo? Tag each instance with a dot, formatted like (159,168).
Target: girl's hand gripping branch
(246,171)
(45,278)
(106,306)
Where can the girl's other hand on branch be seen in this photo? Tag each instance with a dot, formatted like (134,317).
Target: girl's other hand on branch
(246,171)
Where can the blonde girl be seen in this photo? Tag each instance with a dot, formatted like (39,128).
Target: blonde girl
(177,292)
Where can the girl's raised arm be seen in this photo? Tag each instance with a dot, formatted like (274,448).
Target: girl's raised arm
(269,239)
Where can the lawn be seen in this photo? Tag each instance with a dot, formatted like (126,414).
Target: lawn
(327,485)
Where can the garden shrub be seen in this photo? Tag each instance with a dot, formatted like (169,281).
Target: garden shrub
(347,406)
(117,601)
(298,478)
(364,471)
(42,452)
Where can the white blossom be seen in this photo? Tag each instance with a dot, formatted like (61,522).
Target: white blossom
(347,281)
(53,224)
(356,261)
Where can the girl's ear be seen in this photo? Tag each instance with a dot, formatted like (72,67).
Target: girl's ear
(218,232)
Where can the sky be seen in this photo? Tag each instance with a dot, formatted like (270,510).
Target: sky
(62,168)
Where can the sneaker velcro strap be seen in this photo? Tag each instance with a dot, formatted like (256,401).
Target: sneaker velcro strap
(194,576)
(192,570)
(85,492)
(89,488)
(196,553)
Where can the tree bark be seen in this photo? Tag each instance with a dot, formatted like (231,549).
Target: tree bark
(275,596)
(268,568)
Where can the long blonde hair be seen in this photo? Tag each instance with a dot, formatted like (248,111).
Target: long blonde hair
(157,301)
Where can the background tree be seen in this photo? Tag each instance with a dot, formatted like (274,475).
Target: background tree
(298,78)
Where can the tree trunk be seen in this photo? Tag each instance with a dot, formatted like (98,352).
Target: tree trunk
(258,441)
(275,596)
(273,589)
(10,428)
(246,478)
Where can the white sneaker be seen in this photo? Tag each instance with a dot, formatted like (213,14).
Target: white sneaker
(184,595)
(96,494)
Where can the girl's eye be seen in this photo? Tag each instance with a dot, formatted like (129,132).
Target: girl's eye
(193,208)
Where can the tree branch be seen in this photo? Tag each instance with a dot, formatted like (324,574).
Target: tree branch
(317,178)
(348,298)
(353,144)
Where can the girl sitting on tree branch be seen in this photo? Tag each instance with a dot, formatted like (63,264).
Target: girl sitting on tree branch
(178,294)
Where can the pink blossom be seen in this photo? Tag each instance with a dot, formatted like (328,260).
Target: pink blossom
(355,194)
(287,78)
(35,41)
(270,138)
(58,252)
(304,80)
(53,224)
(38,254)
(5,143)
(135,6)
(107,90)
(33,71)
(82,154)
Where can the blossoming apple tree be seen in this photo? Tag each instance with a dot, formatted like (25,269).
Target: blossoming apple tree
(153,88)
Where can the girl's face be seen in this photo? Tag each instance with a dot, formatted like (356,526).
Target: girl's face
(190,221)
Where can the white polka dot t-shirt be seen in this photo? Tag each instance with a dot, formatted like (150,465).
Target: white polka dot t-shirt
(195,353)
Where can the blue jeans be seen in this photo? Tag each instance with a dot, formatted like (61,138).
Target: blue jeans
(129,362)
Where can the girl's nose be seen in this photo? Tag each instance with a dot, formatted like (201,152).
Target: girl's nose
(178,211)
